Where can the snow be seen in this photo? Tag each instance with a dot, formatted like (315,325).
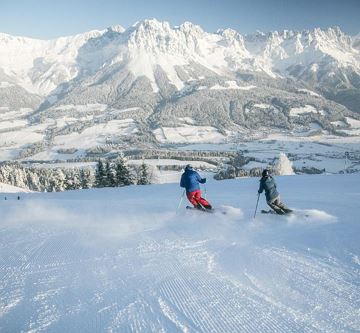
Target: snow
(7,114)
(6,188)
(310,92)
(314,126)
(65,121)
(64,165)
(263,106)
(4,84)
(41,66)
(322,152)
(166,161)
(232,85)
(339,123)
(116,111)
(349,126)
(284,165)
(295,112)
(23,136)
(314,68)
(53,154)
(324,112)
(10,124)
(93,260)
(188,120)
(160,176)
(353,122)
(83,108)
(96,135)
(201,88)
(188,134)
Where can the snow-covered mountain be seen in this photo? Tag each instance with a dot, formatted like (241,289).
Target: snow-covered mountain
(161,83)
(41,66)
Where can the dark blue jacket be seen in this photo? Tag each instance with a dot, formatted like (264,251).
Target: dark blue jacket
(190,179)
(268,184)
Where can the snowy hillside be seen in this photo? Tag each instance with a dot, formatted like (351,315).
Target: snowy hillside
(6,188)
(123,260)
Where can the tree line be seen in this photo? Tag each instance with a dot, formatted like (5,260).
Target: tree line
(106,174)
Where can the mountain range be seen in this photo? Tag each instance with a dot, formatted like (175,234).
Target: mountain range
(153,84)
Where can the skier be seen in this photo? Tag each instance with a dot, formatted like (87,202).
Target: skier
(268,184)
(190,180)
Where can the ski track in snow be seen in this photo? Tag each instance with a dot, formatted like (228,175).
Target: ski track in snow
(190,272)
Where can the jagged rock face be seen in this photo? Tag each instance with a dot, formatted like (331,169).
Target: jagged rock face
(41,66)
(183,78)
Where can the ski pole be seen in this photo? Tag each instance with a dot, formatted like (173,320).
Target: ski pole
(205,192)
(181,199)
(257,201)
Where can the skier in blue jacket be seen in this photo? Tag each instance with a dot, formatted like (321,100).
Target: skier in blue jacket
(267,184)
(190,180)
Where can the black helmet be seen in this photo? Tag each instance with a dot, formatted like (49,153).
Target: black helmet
(265,173)
(189,167)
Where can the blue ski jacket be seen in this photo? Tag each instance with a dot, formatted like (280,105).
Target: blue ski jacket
(268,184)
(190,179)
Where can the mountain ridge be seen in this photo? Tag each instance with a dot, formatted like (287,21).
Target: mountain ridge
(185,40)
(177,85)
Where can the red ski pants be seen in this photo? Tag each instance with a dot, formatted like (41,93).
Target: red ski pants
(195,198)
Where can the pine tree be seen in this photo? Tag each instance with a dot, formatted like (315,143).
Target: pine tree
(75,173)
(33,182)
(123,175)
(72,181)
(144,175)
(85,178)
(100,174)
(58,183)
(110,175)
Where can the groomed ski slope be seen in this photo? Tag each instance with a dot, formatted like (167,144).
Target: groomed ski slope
(122,260)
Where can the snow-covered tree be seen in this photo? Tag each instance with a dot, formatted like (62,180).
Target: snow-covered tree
(284,166)
(85,178)
(110,175)
(144,178)
(100,174)
(123,175)
(58,180)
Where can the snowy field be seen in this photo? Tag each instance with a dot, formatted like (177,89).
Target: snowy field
(124,260)
(326,154)
(189,134)
(96,135)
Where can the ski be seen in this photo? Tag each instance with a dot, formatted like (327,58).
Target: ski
(201,210)
(209,211)
(296,213)
(263,211)
(270,211)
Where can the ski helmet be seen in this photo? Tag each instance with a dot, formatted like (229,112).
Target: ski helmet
(189,167)
(265,173)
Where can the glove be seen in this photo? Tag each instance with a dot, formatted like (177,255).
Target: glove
(203,181)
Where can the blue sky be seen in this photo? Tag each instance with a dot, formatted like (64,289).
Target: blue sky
(54,18)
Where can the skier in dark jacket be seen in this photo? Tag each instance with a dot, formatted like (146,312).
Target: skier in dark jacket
(267,184)
(190,180)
